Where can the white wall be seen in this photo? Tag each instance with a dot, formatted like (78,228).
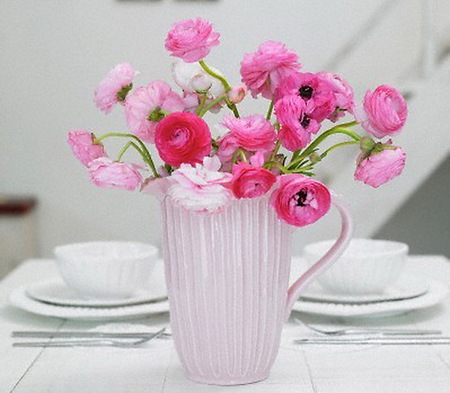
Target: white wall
(53,54)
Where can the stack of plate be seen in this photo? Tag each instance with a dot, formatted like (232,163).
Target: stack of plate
(55,299)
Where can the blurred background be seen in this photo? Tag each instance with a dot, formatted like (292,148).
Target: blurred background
(54,53)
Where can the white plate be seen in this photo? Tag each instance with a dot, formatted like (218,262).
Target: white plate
(19,298)
(407,287)
(436,292)
(56,292)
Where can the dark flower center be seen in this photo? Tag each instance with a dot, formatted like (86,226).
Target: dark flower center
(304,121)
(305,92)
(301,197)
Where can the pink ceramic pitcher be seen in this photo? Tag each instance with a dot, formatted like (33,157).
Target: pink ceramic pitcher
(228,275)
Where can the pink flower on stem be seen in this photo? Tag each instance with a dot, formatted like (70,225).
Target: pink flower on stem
(114,87)
(343,94)
(182,138)
(380,167)
(251,181)
(314,90)
(300,200)
(191,39)
(252,133)
(384,112)
(84,146)
(296,124)
(237,93)
(106,173)
(201,187)
(146,106)
(263,70)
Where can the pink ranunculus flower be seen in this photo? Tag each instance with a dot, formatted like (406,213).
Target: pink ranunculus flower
(201,187)
(252,133)
(183,138)
(191,39)
(114,87)
(343,94)
(237,93)
(263,70)
(296,124)
(145,107)
(106,173)
(251,181)
(314,90)
(380,167)
(300,200)
(384,112)
(84,146)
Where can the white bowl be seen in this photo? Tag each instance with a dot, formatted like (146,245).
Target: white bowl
(106,270)
(367,266)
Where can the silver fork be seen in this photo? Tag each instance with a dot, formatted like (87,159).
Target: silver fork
(92,343)
(371,331)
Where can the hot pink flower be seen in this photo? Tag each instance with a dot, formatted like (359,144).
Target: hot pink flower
(385,112)
(314,90)
(84,147)
(296,124)
(143,108)
(343,94)
(106,173)
(201,188)
(252,133)
(263,70)
(114,87)
(250,181)
(300,200)
(182,138)
(381,167)
(191,39)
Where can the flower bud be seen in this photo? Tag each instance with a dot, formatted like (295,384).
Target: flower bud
(367,144)
(315,158)
(237,93)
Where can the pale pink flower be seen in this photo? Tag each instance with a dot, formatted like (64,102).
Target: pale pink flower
(237,93)
(182,138)
(114,87)
(156,186)
(314,90)
(300,200)
(201,187)
(145,107)
(296,123)
(343,94)
(263,70)
(380,167)
(106,173)
(84,146)
(252,133)
(384,112)
(191,39)
(251,181)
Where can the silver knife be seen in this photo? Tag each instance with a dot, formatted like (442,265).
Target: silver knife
(375,341)
(81,334)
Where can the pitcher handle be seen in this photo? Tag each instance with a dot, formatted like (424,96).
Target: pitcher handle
(327,260)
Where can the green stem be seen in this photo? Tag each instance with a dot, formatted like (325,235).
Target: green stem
(269,111)
(201,105)
(225,84)
(238,152)
(324,154)
(210,105)
(270,164)
(124,149)
(275,151)
(147,157)
(339,129)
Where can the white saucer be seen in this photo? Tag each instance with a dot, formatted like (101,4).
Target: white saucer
(436,292)
(19,298)
(407,287)
(56,292)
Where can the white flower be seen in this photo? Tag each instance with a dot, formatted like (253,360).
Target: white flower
(200,188)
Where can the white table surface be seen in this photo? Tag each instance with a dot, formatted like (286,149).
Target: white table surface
(155,366)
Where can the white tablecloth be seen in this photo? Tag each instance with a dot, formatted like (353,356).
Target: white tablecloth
(155,367)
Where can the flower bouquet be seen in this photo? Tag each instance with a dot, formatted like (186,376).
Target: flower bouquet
(230,201)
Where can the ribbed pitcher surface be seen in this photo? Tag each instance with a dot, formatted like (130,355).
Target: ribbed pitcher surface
(227,275)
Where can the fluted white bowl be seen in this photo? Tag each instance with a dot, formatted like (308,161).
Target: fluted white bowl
(107,269)
(367,267)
